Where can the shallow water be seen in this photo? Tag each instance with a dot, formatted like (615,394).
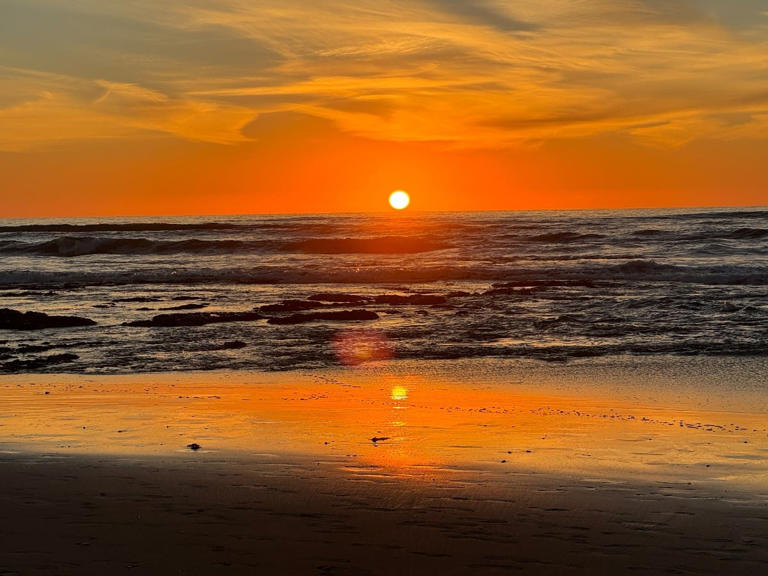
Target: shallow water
(545,285)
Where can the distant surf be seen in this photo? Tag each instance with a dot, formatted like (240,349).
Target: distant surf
(554,286)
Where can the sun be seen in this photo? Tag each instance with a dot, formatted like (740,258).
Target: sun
(399,200)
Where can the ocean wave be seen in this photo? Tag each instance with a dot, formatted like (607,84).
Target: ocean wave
(714,215)
(382,245)
(71,246)
(737,234)
(125,227)
(564,237)
(632,271)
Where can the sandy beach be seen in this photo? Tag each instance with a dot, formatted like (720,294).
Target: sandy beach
(403,468)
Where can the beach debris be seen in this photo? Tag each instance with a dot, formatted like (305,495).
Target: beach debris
(338,316)
(194,446)
(377,439)
(196,319)
(15,320)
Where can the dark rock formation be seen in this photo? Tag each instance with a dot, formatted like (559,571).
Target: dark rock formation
(412,299)
(291,306)
(196,319)
(35,363)
(186,307)
(337,316)
(338,298)
(15,320)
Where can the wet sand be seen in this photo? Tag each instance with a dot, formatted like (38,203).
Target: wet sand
(527,469)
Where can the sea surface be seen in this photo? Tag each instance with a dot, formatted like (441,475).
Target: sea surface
(552,286)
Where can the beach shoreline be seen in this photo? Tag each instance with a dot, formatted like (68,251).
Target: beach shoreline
(186,515)
(397,468)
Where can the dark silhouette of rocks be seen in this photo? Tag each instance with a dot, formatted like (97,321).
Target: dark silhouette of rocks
(510,291)
(139,299)
(412,299)
(15,320)
(194,446)
(33,348)
(233,345)
(196,319)
(291,306)
(36,363)
(186,307)
(339,298)
(336,316)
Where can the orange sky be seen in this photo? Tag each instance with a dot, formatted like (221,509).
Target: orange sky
(234,106)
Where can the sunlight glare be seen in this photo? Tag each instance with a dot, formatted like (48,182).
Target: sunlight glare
(399,200)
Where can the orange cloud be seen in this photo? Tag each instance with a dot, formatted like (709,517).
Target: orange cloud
(299,105)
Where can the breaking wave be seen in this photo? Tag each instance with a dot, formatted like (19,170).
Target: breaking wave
(71,246)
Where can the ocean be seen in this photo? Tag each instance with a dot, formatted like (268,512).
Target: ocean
(267,292)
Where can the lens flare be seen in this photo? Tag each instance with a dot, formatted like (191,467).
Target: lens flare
(355,347)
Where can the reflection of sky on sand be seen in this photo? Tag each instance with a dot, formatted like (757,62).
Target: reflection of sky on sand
(423,424)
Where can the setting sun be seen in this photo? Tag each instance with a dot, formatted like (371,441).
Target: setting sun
(399,200)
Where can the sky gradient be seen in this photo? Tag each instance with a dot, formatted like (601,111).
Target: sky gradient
(232,106)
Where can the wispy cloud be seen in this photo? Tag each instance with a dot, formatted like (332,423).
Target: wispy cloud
(489,73)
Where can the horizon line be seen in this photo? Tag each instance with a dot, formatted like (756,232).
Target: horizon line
(401,214)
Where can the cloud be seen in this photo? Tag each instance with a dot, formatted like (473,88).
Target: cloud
(470,74)
(482,13)
(276,126)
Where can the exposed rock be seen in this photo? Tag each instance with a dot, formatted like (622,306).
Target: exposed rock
(510,291)
(194,446)
(33,348)
(196,319)
(17,365)
(186,307)
(139,299)
(338,298)
(336,316)
(412,299)
(233,345)
(291,306)
(15,320)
